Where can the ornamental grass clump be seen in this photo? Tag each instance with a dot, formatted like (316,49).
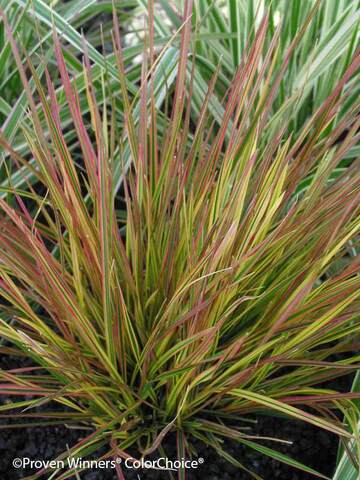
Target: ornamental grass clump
(217,281)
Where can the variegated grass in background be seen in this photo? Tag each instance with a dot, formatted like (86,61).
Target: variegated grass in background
(222,29)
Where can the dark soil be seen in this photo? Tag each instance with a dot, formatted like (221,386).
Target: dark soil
(311,446)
